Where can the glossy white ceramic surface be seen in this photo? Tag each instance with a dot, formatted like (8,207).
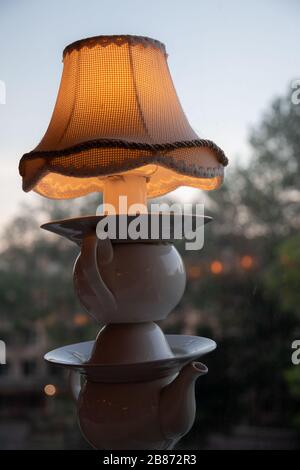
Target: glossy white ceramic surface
(184,349)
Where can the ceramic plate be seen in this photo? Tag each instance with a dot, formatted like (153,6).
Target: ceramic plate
(75,229)
(185,349)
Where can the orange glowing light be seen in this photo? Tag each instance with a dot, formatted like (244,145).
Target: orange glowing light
(50,390)
(80,319)
(193,272)
(247,262)
(216,267)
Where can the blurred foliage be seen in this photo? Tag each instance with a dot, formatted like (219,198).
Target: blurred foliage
(36,274)
(292,376)
(250,307)
(283,279)
(253,311)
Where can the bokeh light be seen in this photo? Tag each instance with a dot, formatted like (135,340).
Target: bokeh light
(216,267)
(193,272)
(50,390)
(80,319)
(247,262)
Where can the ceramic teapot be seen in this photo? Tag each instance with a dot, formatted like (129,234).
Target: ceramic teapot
(153,414)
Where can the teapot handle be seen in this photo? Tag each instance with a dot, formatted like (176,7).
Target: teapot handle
(75,384)
(89,264)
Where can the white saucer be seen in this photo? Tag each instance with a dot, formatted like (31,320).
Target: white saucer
(185,349)
(75,228)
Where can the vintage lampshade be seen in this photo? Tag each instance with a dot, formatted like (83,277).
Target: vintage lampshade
(117,113)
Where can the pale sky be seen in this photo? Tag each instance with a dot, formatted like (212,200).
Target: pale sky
(228,60)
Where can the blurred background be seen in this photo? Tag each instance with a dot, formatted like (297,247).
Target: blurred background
(233,64)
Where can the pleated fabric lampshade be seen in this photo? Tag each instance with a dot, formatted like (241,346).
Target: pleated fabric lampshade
(117,112)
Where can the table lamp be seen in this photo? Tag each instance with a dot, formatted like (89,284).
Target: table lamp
(118,128)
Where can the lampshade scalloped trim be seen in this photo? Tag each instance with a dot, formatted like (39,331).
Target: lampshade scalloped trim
(123,144)
(161,159)
(118,40)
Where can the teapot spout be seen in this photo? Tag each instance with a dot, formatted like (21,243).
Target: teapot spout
(177,401)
